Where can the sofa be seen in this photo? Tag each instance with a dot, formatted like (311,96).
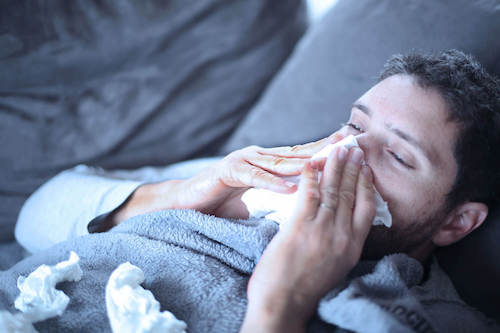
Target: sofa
(127,84)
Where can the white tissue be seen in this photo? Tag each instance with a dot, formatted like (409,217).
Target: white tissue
(134,309)
(15,323)
(39,299)
(279,207)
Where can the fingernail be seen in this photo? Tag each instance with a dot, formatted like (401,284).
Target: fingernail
(342,153)
(356,155)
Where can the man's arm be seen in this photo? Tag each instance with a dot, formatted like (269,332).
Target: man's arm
(165,195)
(62,208)
(146,198)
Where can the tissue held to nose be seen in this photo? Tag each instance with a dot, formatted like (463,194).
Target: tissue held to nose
(279,207)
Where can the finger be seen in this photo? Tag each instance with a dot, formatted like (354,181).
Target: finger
(364,206)
(319,163)
(347,190)
(280,166)
(253,176)
(303,151)
(308,194)
(330,184)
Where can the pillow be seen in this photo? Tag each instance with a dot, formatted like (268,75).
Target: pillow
(340,58)
(122,84)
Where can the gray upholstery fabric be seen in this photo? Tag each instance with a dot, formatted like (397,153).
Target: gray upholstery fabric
(122,84)
(340,58)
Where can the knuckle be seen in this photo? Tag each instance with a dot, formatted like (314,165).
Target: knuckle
(256,173)
(351,172)
(347,196)
(311,194)
(330,191)
(278,161)
(337,136)
(311,178)
(331,198)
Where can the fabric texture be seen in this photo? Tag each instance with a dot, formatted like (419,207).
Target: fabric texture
(123,84)
(197,266)
(10,254)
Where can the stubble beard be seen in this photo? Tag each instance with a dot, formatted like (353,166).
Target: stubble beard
(382,241)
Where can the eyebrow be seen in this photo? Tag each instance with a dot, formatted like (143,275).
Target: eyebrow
(362,108)
(405,136)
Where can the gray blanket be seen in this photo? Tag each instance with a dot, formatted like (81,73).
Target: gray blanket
(197,266)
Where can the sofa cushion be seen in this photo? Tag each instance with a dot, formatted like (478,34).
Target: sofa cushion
(340,58)
(122,84)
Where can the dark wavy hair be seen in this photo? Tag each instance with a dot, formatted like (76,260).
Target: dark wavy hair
(472,97)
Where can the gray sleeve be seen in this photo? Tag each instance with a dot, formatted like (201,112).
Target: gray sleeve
(63,207)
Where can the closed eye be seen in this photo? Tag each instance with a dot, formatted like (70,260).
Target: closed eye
(400,160)
(396,156)
(353,126)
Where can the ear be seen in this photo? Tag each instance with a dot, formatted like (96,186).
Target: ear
(461,221)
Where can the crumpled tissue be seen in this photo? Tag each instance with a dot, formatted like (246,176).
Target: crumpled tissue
(39,299)
(134,309)
(279,207)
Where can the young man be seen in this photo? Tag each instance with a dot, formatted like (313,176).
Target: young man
(429,134)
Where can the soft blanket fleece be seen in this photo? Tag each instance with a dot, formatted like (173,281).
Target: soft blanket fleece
(197,266)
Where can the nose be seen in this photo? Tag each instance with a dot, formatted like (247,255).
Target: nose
(368,144)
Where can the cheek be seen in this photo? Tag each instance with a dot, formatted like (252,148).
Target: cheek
(409,200)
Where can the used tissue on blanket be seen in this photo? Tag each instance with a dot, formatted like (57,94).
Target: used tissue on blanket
(134,309)
(279,207)
(39,299)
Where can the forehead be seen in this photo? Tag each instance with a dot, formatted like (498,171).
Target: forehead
(400,102)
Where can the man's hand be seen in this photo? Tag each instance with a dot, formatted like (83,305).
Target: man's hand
(314,251)
(218,189)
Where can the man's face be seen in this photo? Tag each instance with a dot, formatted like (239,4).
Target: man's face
(408,143)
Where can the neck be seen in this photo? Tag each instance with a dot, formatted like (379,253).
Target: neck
(423,252)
